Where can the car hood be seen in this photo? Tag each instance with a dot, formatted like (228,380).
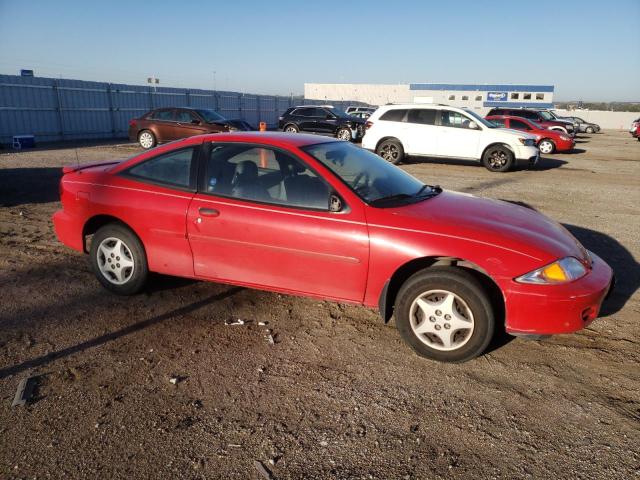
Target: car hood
(502,224)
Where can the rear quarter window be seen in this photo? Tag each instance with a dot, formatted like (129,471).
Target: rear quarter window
(172,169)
(395,115)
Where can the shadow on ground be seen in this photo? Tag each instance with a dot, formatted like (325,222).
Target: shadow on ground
(543,163)
(19,186)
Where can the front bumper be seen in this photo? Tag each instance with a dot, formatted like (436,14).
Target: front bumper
(553,309)
(527,154)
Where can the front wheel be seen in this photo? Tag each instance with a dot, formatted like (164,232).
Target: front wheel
(391,150)
(498,159)
(444,313)
(547,146)
(118,259)
(590,130)
(343,134)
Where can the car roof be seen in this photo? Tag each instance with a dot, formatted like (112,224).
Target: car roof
(270,138)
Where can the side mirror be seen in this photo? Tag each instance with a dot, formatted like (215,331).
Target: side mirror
(335,203)
(473,125)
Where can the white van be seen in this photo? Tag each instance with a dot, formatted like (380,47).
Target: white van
(394,131)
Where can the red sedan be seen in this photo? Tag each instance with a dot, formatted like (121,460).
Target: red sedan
(548,141)
(313,216)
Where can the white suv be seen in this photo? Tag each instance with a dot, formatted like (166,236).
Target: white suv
(394,131)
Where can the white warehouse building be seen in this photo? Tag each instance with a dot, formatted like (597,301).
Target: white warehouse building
(477,96)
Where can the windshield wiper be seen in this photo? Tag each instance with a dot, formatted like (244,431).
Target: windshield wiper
(390,198)
(434,190)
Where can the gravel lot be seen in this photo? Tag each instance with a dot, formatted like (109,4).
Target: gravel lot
(338,395)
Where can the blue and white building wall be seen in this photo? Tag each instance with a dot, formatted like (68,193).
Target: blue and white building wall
(480,97)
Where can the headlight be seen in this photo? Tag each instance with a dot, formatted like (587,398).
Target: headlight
(527,142)
(564,270)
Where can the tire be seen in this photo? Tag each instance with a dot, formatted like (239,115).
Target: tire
(147,139)
(118,259)
(391,150)
(433,302)
(590,130)
(498,158)
(343,134)
(547,146)
(291,128)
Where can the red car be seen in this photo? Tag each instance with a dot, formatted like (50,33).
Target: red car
(548,141)
(318,217)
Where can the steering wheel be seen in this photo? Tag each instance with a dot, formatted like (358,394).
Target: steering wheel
(361,181)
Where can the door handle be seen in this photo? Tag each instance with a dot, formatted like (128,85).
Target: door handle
(208,212)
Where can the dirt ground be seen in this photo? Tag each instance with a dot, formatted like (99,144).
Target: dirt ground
(338,395)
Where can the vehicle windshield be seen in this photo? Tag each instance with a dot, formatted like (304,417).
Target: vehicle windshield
(338,112)
(546,115)
(481,120)
(373,179)
(211,116)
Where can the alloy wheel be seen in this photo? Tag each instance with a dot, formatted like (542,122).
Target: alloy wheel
(546,146)
(146,140)
(389,152)
(115,260)
(441,320)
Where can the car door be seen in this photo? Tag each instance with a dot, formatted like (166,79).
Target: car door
(455,137)
(421,131)
(165,124)
(327,121)
(306,119)
(261,219)
(188,124)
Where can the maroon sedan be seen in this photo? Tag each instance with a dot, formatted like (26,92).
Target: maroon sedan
(169,124)
(312,216)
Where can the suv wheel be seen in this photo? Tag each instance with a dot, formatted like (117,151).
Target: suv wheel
(445,314)
(498,159)
(147,139)
(343,134)
(547,146)
(291,128)
(391,150)
(118,259)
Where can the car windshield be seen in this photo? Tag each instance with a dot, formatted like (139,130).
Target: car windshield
(546,115)
(481,120)
(211,116)
(373,179)
(338,112)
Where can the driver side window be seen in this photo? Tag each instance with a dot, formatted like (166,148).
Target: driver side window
(263,174)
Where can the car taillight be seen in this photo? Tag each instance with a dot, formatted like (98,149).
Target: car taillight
(132,123)
(368,125)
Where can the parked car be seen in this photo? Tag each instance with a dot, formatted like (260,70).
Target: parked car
(634,130)
(394,131)
(582,125)
(541,117)
(548,141)
(324,119)
(551,115)
(168,124)
(350,110)
(317,217)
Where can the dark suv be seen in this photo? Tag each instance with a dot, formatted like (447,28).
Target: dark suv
(168,124)
(322,119)
(542,118)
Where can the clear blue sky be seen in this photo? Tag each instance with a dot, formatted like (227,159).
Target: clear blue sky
(589,49)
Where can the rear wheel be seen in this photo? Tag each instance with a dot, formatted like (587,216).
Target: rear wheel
(291,128)
(118,259)
(391,150)
(444,313)
(147,139)
(546,146)
(498,159)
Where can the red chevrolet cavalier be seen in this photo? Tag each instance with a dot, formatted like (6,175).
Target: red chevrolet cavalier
(548,141)
(313,216)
